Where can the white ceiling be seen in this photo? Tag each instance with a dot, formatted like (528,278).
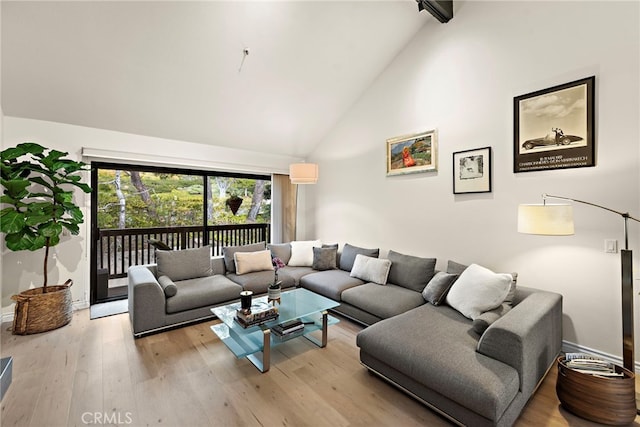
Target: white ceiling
(175,69)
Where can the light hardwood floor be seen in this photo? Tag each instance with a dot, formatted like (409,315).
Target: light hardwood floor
(94,372)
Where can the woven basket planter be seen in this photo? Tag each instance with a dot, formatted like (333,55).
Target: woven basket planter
(38,311)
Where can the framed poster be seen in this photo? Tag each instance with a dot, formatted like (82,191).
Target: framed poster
(472,171)
(412,153)
(554,127)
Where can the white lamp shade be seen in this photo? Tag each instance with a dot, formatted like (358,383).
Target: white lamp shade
(303,173)
(548,219)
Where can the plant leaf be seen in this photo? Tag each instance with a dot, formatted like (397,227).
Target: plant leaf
(11,221)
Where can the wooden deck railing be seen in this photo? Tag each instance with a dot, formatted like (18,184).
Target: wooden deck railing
(120,248)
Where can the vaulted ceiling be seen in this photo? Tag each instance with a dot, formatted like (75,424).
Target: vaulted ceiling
(180,70)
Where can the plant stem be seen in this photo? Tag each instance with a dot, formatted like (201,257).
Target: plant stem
(46,258)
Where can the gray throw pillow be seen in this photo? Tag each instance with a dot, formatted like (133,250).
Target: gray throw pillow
(170,288)
(228,251)
(436,290)
(324,258)
(486,319)
(184,264)
(410,271)
(280,250)
(349,253)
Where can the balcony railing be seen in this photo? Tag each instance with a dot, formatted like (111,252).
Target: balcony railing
(118,249)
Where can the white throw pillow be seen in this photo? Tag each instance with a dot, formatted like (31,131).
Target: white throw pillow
(477,290)
(370,269)
(248,262)
(302,252)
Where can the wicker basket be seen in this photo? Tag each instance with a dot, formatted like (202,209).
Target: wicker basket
(603,400)
(37,311)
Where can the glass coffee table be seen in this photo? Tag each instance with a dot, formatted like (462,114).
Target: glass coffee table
(255,342)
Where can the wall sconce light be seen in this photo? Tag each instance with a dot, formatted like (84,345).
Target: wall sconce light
(303,173)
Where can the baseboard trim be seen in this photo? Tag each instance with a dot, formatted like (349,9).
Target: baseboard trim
(569,347)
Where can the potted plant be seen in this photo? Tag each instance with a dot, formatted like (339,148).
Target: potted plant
(38,198)
(275,288)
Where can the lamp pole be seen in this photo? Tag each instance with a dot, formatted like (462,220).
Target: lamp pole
(626,257)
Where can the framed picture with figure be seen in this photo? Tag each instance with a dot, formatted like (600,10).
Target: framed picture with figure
(412,153)
(553,128)
(472,171)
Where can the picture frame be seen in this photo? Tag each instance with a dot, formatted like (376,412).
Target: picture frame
(412,153)
(554,127)
(472,171)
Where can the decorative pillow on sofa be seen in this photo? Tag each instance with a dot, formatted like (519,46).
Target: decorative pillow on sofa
(371,269)
(184,264)
(280,250)
(169,288)
(349,253)
(324,258)
(228,251)
(302,253)
(248,262)
(486,319)
(436,290)
(477,290)
(410,271)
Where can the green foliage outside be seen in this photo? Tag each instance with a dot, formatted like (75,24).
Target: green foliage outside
(174,200)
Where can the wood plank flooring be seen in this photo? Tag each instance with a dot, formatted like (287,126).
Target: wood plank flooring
(94,372)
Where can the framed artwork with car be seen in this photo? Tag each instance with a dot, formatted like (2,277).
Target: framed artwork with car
(554,127)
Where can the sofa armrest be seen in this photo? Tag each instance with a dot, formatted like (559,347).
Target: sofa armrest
(528,337)
(146,300)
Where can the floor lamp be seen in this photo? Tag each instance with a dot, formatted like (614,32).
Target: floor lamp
(302,173)
(557,220)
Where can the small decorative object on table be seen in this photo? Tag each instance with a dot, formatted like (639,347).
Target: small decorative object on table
(274,290)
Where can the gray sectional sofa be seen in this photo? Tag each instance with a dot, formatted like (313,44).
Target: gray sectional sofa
(427,332)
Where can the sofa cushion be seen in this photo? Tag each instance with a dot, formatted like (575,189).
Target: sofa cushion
(477,290)
(486,319)
(259,281)
(349,253)
(302,253)
(369,269)
(329,283)
(455,267)
(436,290)
(228,251)
(202,292)
(382,301)
(409,271)
(324,258)
(168,286)
(248,262)
(293,274)
(432,345)
(280,250)
(184,264)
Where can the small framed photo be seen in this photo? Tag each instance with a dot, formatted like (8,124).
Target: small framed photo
(554,127)
(412,153)
(472,171)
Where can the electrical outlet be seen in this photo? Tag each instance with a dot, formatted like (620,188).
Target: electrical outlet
(611,246)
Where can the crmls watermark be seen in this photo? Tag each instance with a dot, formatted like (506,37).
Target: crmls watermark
(117,418)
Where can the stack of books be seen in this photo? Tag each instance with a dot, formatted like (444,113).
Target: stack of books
(258,313)
(591,365)
(288,329)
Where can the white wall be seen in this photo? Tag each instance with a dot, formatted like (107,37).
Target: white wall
(460,78)
(23,270)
